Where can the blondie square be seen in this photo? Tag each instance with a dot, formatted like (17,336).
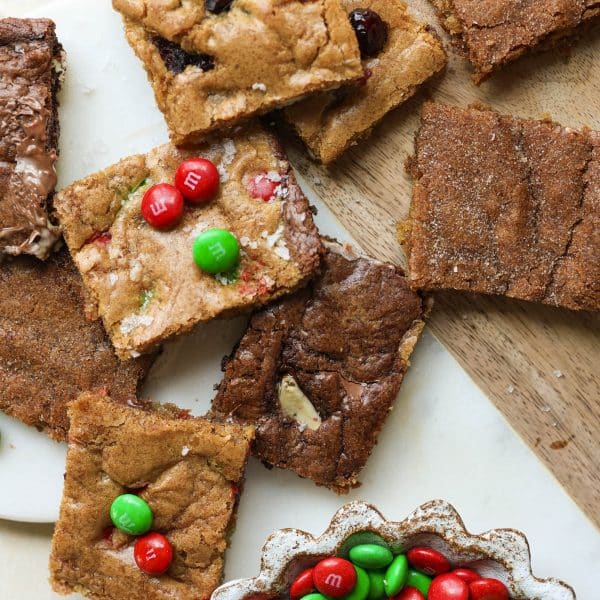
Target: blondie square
(318,372)
(495,32)
(144,282)
(331,122)
(188,470)
(30,69)
(506,206)
(49,351)
(212,63)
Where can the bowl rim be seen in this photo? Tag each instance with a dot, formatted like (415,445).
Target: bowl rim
(507,547)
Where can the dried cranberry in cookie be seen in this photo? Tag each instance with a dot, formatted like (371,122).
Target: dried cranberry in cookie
(218,6)
(262,186)
(176,59)
(371,31)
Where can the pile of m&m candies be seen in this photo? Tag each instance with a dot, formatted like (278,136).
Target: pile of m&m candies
(372,571)
(196,181)
(152,551)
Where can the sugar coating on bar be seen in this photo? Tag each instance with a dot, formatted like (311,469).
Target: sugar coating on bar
(506,206)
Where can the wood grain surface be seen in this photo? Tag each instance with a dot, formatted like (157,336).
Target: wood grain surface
(539,365)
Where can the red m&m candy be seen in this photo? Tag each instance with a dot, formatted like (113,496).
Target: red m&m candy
(409,593)
(448,587)
(334,577)
(467,575)
(197,179)
(427,560)
(162,206)
(153,553)
(262,187)
(488,589)
(302,585)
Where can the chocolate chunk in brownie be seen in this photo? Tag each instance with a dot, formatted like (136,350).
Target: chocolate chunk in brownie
(231,60)
(144,282)
(400,55)
(318,372)
(30,69)
(49,351)
(507,206)
(495,32)
(188,470)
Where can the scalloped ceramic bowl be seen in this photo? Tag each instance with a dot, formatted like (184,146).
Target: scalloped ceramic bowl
(499,553)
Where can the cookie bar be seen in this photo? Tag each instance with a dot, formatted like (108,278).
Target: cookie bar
(30,68)
(214,63)
(318,372)
(49,351)
(495,32)
(331,122)
(505,206)
(144,283)
(188,470)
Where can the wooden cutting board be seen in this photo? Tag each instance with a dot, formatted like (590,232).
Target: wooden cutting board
(540,366)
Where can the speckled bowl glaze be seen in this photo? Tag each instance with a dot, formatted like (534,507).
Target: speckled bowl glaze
(500,553)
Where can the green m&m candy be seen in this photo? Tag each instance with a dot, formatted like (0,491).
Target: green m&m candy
(396,575)
(419,581)
(314,596)
(371,556)
(216,250)
(361,589)
(131,514)
(376,585)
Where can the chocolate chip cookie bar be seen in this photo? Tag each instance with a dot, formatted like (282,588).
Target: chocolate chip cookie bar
(187,470)
(318,372)
(398,55)
(49,351)
(493,33)
(31,64)
(212,63)
(505,206)
(144,283)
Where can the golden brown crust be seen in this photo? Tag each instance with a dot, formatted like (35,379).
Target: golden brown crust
(281,247)
(186,469)
(506,206)
(331,122)
(265,54)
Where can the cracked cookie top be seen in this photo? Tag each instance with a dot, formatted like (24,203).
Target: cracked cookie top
(318,372)
(505,206)
(188,470)
(144,283)
(494,32)
(211,68)
(331,122)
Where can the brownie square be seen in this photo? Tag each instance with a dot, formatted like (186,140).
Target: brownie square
(495,32)
(318,372)
(506,206)
(331,122)
(214,63)
(187,469)
(49,351)
(144,282)
(30,69)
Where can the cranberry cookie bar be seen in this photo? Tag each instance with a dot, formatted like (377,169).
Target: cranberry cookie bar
(494,32)
(187,470)
(318,372)
(214,62)
(398,54)
(144,282)
(505,206)
(30,68)
(49,351)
